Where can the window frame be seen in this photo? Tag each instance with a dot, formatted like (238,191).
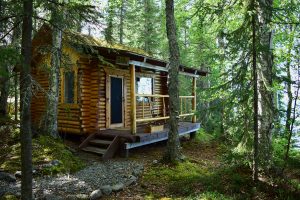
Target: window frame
(62,86)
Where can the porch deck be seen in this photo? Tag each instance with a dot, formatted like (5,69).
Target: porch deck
(142,138)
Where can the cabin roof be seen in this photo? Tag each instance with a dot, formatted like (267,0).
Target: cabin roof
(136,56)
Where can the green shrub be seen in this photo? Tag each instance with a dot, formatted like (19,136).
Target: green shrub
(44,150)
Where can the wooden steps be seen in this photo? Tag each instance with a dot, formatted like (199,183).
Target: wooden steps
(103,145)
(94,150)
(97,141)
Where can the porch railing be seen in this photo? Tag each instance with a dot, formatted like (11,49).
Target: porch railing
(157,105)
(162,110)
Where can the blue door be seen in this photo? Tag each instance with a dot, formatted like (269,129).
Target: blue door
(116,93)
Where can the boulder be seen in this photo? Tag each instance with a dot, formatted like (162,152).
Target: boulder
(118,187)
(137,172)
(95,195)
(131,180)
(18,174)
(154,162)
(106,189)
(7,177)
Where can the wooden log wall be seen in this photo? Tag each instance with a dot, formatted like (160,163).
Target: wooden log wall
(68,114)
(38,103)
(91,96)
(89,114)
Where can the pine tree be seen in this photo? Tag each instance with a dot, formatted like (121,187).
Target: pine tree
(173,153)
(26,95)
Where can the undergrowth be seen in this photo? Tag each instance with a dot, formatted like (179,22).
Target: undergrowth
(44,150)
(202,177)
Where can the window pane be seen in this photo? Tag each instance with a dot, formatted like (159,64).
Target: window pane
(144,86)
(69,87)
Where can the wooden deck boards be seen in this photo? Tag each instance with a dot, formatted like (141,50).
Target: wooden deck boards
(142,138)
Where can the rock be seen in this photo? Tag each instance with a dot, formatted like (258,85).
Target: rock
(2,192)
(131,180)
(154,162)
(118,187)
(52,197)
(18,194)
(137,172)
(55,162)
(106,189)
(77,197)
(7,177)
(18,174)
(95,195)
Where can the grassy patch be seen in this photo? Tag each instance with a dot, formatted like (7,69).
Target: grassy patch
(189,180)
(193,181)
(45,149)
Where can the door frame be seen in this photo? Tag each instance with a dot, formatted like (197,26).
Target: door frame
(108,102)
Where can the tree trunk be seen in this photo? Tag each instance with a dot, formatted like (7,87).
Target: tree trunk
(4,91)
(255,99)
(4,80)
(289,83)
(109,27)
(51,124)
(264,84)
(173,153)
(15,42)
(16,95)
(25,96)
(289,119)
(147,30)
(121,28)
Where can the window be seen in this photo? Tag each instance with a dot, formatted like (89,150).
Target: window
(69,87)
(144,86)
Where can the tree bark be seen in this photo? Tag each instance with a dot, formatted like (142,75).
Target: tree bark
(4,91)
(289,83)
(289,119)
(4,80)
(51,123)
(25,96)
(121,27)
(16,95)
(264,83)
(173,153)
(255,99)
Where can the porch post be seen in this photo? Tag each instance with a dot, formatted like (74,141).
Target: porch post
(133,99)
(194,104)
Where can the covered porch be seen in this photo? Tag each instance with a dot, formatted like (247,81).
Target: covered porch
(122,138)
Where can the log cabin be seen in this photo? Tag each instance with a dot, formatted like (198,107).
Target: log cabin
(113,95)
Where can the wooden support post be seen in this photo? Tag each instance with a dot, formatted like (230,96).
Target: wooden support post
(194,103)
(143,107)
(164,107)
(133,99)
(181,106)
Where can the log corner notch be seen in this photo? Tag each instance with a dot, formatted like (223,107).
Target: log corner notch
(194,103)
(133,99)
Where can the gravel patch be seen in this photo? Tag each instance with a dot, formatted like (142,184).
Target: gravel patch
(84,182)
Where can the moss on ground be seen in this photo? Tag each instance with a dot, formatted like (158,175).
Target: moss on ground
(203,177)
(44,150)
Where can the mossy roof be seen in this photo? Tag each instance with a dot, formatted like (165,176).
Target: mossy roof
(84,39)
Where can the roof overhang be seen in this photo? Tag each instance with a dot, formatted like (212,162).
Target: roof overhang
(148,62)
